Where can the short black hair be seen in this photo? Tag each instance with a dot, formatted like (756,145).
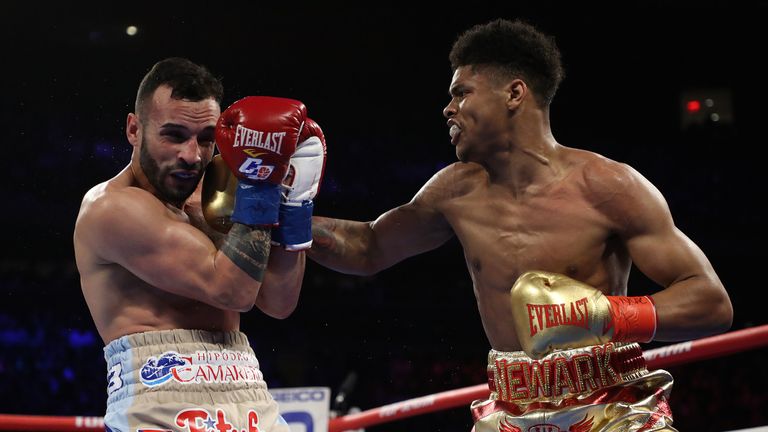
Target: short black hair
(517,50)
(188,80)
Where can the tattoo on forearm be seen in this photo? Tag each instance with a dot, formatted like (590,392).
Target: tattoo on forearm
(323,236)
(248,248)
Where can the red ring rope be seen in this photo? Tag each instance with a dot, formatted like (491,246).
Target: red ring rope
(17,422)
(671,355)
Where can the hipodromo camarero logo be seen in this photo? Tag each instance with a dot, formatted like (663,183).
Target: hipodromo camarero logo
(217,367)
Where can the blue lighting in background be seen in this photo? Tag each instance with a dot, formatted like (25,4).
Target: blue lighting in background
(104,150)
(79,339)
(11,337)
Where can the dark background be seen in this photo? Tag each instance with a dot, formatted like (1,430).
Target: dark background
(375,77)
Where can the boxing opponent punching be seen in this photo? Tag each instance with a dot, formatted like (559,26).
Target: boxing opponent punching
(549,235)
(164,288)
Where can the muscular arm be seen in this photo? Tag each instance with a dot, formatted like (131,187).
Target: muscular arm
(694,302)
(280,289)
(132,229)
(365,248)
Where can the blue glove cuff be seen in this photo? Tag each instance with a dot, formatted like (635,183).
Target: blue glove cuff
(295,230)
(256,203)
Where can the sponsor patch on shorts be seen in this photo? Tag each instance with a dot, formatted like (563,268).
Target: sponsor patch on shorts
(209,367)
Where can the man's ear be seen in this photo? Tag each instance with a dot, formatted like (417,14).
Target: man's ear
(516,90)
(132,129)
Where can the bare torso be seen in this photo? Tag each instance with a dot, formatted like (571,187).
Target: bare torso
(557,227)
(120,302)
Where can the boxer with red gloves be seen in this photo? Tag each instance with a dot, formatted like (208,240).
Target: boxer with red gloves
(164,289)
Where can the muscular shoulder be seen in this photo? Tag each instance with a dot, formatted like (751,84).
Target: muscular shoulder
(604,178)
(108,207)
(619,191)
(106,199)
(455,180)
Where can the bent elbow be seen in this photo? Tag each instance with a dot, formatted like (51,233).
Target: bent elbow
(717,317)
(242,307)
(234,301)
(724,315)
(282,313)
(276,313)
(279,311)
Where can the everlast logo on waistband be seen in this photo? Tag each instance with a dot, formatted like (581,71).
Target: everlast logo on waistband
(271,141)
(546,316)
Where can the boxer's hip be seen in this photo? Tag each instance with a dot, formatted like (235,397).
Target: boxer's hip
(602,387)
(193,366)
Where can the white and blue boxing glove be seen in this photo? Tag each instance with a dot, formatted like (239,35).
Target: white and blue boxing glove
(300,186)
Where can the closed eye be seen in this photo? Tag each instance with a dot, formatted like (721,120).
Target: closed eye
(207,137)
(175,137)
(206,142)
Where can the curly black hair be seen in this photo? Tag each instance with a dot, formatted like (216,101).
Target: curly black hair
(516,49)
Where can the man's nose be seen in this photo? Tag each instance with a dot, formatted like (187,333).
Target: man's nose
(449,110)
(190,152)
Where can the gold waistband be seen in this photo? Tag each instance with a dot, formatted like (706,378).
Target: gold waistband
(515,377)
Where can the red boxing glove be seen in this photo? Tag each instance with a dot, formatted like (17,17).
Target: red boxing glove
(257,136)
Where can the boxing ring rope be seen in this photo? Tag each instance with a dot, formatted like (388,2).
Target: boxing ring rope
(16,422)
(670,355)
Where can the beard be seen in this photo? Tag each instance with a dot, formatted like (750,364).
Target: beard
(156,175)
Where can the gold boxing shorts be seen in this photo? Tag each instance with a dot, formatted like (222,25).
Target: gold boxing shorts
(596,388)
